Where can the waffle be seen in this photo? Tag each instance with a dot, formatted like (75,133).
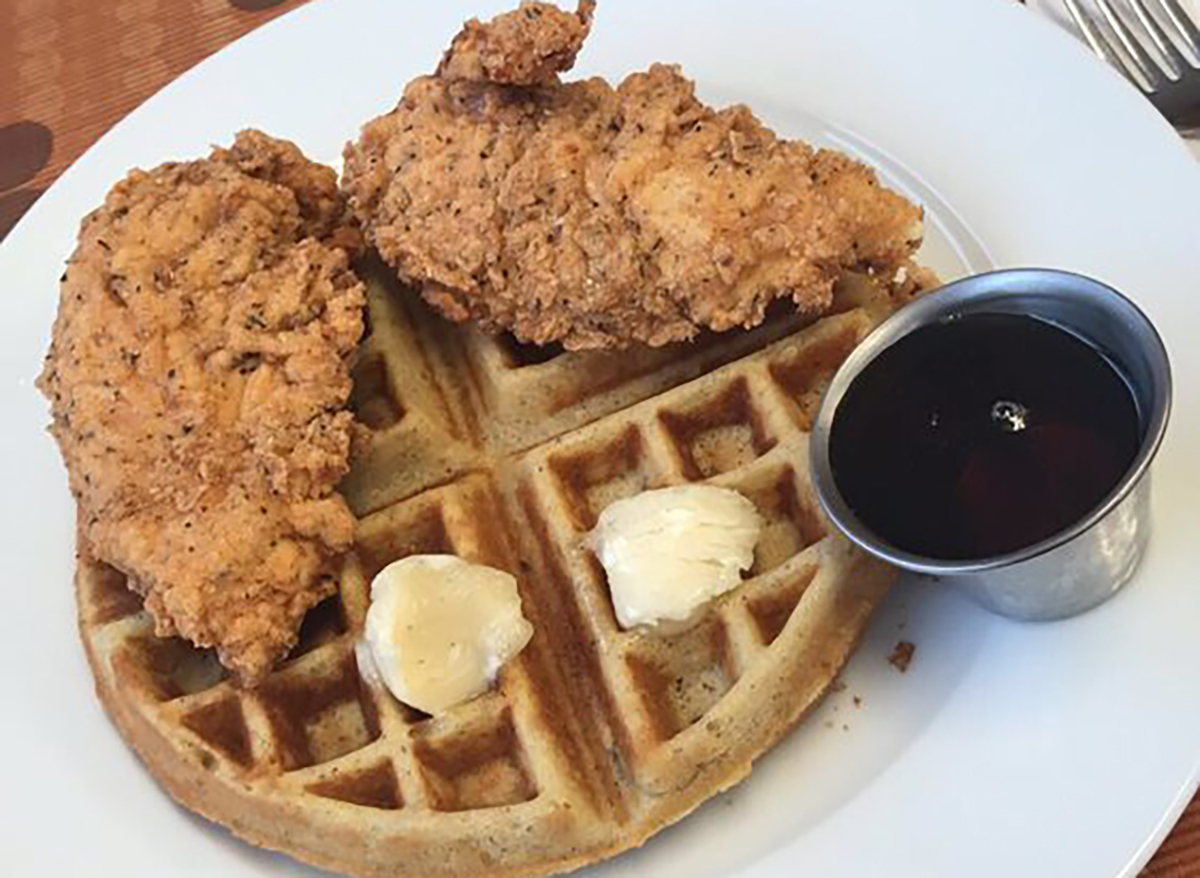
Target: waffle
(595,738)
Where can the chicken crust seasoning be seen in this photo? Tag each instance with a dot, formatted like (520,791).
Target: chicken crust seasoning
(529,46)
(197,378)
(597,216)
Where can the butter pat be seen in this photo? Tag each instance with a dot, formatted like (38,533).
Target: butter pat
(439,629)
(669,552)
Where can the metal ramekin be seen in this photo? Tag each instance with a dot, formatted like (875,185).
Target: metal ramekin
(1084,565)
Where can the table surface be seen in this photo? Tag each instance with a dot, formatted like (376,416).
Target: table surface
(70,69)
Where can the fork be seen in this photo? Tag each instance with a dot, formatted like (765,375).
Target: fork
(1173,83)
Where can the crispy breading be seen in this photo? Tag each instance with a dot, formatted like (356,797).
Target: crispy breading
(598,217)
(197,378)
(529,46)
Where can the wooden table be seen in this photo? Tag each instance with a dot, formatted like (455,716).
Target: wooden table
(70,69)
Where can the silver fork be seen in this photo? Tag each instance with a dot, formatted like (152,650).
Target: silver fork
(1173,83)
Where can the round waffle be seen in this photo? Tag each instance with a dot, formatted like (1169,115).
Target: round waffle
(595,738)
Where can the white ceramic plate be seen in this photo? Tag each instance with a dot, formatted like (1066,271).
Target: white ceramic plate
(1063,749)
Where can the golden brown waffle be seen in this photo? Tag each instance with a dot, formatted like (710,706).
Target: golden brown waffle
(595,738)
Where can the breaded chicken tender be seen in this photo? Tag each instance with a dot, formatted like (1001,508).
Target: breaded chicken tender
(597,216)
(197,378)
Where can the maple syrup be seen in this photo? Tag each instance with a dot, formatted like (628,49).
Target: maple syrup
(981,435)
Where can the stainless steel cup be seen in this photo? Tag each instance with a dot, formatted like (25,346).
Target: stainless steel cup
(1084,565)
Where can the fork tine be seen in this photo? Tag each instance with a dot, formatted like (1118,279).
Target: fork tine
(1186,28)
(1178,62)
(1141,59)
(1161,40)
(1095,38)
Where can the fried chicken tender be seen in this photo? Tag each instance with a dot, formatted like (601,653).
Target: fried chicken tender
(597,216)
(197,378)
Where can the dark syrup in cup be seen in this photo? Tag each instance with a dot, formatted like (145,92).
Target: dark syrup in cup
(982,434)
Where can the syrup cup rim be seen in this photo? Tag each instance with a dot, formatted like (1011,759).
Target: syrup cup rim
(1089,309)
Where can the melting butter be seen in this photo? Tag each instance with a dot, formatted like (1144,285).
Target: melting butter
(668,552)
(439,629)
